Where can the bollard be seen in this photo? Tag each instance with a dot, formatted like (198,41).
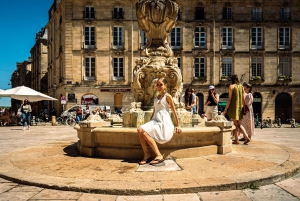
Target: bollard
(293,123)
(53,120)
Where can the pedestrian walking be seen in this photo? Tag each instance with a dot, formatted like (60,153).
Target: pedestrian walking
(26,114)
(233,108)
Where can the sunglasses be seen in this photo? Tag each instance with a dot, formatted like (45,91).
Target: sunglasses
(159,85)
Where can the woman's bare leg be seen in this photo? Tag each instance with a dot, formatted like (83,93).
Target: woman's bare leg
(144,144)
(243,131)
(153,145)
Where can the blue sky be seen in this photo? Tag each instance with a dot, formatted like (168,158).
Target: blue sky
(20,20)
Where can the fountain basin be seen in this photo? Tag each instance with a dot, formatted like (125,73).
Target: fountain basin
(123,143)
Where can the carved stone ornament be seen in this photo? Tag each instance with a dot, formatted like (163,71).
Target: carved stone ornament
(157,19)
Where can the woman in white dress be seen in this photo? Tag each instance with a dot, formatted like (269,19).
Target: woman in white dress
(160,128)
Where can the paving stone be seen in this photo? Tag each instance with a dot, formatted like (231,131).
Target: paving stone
(269,193)
(96,197)
(23,188)
(140,198)
(56,194)
(4,181)
(235,195)
(7,186)
(170,165)
(291,186)
(16,196)
(181,197)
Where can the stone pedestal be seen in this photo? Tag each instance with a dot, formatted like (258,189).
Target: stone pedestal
(86,144)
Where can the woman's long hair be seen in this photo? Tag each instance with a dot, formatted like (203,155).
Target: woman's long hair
(187,100)
(249,86)
(235,79)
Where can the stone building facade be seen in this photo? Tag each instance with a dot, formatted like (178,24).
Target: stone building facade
(93,46)
(39,65)
(21,77)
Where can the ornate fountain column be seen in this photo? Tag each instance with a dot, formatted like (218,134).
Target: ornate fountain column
(157,19)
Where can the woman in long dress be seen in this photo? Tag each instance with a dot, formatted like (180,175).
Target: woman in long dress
(235,102)
(248,119)
(160,128)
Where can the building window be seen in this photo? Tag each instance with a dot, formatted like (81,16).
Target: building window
(118,37)
(284,67)
(226,66)
(143,39)
(89,13)
(199,13)
(89,37)
(118,13)
(227,39)
(118,66)
(199,67)
(284,38)
(227,13)
(256,67)
(179,62)
(61,70)
(257,38)
(285,14)
(176,38)
(257,14)
(200,37)
(89,72)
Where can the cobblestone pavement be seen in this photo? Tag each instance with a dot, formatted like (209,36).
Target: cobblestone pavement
(13,139)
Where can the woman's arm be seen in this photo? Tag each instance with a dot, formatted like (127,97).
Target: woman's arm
(216,98)
(171,103)
(230,89)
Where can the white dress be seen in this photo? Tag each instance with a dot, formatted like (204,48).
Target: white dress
(160,127)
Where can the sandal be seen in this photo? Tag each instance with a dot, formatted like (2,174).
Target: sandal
(235,142)
(156,161)
(247,141)
(145,161)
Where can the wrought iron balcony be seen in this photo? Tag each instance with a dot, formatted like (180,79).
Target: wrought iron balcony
(117,45)
(257,45)
(89,45)
(257,15)
(117,15)
(285,15)
(227,15)
(200,15)
(89,15)
(284,45)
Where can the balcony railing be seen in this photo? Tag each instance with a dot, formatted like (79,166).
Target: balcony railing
(176,46)
(89,45)
(285,15)
(227,15)
(257,15)
(199,45)
(142,46)
(228,45)
(118,45)
(117,15)
(256,45)
(200,15)
(284,45)
(89,15)
(89,78)
(116,78)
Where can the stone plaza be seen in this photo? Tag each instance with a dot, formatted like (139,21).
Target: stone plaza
(43,163)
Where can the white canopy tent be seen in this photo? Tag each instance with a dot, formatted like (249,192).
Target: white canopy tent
(22,93)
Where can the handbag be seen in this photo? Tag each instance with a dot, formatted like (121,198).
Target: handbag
(245,109)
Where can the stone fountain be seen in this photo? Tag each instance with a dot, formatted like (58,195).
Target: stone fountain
(156,18)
